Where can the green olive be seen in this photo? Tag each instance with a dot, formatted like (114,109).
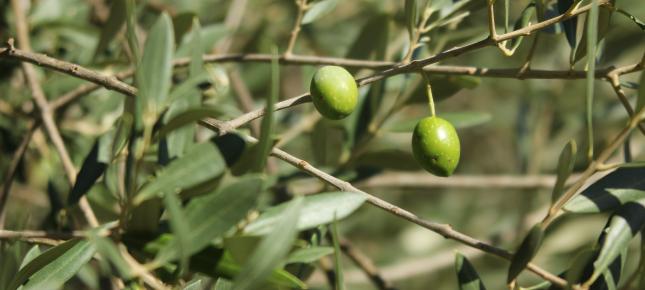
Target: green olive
(334,92)
(435,146)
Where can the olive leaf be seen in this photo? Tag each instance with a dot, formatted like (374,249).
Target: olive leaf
(112,26)
(525,253)
(621,229)
(565,166)
(609,192)
(467,276)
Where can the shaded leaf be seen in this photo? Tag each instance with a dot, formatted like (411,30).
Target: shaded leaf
(180,227)
(265,141)
(90,171)
(31,254)
(107,249)
(523,21)
(570,24)
(273,248)
(621,185)
(309,255)
(525,253)
(604,21)
(201,163)
(211,216)
(467,276)
(112,26)
(565,166)
(318,10)
(621,229)
(338,266)
(186,117)
(55,266)
(316,210)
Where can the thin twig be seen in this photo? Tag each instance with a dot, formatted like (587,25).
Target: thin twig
(302,7)
(13,167)
(43,106)
(365,264)
(614,81)
(444,230)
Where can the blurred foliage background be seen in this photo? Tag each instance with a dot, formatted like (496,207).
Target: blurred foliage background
(507,126)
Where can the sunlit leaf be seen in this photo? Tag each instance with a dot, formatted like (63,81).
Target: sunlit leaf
(309,255)
(609,192)
(55,266)
(316,210)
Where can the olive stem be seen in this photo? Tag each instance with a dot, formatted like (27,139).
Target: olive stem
(430,97)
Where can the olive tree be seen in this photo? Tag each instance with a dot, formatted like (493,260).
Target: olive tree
(211,144)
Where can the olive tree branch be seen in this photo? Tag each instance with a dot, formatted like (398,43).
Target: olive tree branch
(46,114)
(365,264)
(444,230)
(302,7)
(13,167)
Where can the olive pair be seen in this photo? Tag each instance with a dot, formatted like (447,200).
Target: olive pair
(435,143)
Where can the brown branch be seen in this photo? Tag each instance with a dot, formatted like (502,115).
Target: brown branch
(444,230)
(365,264)
(13,167)
(302,7)
(614,81)
(43,106)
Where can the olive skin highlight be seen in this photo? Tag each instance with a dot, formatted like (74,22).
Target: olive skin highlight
(435,145)
(334,92)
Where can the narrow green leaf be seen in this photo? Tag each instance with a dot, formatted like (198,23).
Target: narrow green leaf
(272,250)
(180,227)
(592,36)
(318,10)
(613,198)
(186,95)
(90,171)
(55,266)
(609,192)
(309,255)
(153,76)
(112,26)
(31,254)
(211,216)
(570,24)
(338,266)
(604,21)
(201,163)
(525,253)
(411,16)
(565,166)
(317,210)
(265,141)
(621,229)
(467,276)
(523,21)
(131,25)
(241,247)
